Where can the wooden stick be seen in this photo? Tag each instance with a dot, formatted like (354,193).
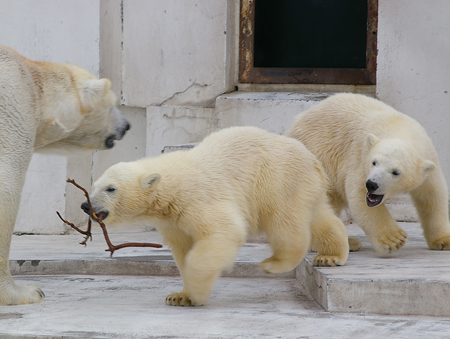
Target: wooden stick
(111,248)
(87,233)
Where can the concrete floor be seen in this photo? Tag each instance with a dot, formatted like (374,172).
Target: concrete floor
(89,295)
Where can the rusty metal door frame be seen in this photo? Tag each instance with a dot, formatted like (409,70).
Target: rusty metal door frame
(266,75)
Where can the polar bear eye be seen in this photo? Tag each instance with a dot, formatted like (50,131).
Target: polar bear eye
(374,163)
(395,172)
(110,189)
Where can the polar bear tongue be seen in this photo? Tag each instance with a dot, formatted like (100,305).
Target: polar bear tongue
(373,200)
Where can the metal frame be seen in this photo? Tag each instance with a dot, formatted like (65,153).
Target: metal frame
(265,75)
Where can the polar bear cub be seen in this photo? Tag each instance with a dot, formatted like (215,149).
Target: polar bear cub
(372,152)
(206,201)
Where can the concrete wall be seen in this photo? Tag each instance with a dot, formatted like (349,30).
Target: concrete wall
(413,72)
(174,52)
(173,64)
(177,59)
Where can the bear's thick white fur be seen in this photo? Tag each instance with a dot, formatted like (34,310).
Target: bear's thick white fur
(45,107)
(366,147)
(206,201)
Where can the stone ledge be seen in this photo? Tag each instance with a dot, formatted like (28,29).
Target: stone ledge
(135,266)
(412,281)
(62,254)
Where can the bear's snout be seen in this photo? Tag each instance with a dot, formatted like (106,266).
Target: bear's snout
(100,214)
(371,186)
(85,208)
(122,126)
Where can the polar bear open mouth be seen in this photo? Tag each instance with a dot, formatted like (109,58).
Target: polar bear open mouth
(373,200)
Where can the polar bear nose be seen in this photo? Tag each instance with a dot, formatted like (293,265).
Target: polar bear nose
(85,207)
(99,212)
(371,186)
(109,142)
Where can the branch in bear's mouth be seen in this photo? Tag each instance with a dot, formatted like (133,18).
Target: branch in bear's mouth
(87,233)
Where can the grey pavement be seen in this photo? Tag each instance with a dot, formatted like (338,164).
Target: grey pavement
(89,295)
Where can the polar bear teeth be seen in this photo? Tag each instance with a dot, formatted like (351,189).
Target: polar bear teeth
(373,200)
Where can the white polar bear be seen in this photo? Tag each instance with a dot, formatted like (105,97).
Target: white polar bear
(371,152)
(45,107)
(206,201)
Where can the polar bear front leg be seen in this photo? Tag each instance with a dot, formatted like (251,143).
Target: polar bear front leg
(204,264)
(180,247)
(179,299)
(12,176)
(431,202)
(213,252)
(12,294)
(380,228)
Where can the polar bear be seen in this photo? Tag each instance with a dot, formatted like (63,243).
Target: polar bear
(206,201)
(372,152)
(45,107)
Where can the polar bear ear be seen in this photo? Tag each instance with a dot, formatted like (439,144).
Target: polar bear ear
(427,166)
(372,139)
(149,182)
(93,90)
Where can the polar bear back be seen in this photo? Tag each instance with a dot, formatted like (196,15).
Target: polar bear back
(336,130)
(253,169)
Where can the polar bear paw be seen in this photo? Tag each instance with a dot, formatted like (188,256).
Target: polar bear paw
(12,294)
(327,260)
(354,244)
(179,299)
(390,242)
(441,244)
(274,265)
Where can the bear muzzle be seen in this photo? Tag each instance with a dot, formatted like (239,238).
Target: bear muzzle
(120,132)
(99,213)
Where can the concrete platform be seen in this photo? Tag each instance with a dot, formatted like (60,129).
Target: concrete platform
(89,295)
(414,280)
(62,254)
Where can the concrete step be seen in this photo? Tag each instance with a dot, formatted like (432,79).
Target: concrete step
(413,281)
(62,254)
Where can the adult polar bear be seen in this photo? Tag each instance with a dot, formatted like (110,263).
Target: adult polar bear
(371,152)
(205,201)
(45,107)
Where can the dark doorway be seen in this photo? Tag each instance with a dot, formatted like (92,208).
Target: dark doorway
(308,41)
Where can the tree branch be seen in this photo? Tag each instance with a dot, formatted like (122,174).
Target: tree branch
(98,218)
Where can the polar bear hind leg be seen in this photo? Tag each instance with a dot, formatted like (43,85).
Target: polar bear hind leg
(328,237)
(430,200)
(288,238)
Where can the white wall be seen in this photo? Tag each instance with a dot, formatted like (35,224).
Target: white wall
(272,111)
(174,52)
(178,57)
(413,72)
(53,30)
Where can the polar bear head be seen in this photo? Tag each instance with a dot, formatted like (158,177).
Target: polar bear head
(80,112)
(392,167)
(124,193)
